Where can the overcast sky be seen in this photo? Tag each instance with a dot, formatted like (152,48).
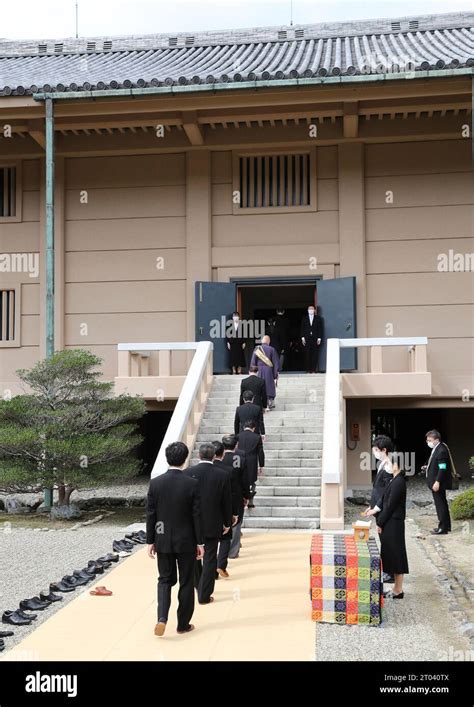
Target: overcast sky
(45,19)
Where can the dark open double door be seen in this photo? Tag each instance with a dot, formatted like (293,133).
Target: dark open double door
(215,302)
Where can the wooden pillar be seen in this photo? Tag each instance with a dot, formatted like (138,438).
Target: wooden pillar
(352,230)
(198,228)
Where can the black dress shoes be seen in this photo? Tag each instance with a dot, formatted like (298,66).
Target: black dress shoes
(74,581)
(2,645)
(24,615)
(83,576)
(439,531)
(16,618)
(92,566)
(45,596)
(35,604)
(61,587)
(5,634)
(122,546)
(111,557)
(138,537)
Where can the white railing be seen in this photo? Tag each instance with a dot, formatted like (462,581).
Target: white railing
(192,399)
(332,477)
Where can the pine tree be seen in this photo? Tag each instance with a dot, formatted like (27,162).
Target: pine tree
(68,430)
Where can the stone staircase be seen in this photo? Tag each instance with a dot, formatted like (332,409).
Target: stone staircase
(288,495)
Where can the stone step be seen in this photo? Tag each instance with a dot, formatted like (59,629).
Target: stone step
(281,512)
(292,453)
(287,501)
(272,438)
(280,470)
(261,522)
(216,406)
(270,417)
(289,481)
(275,491)
(292,427)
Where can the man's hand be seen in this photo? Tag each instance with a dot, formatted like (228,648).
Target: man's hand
(261,471)
(435,486)
(225,530)
(263,438)
(151,551)
(199,552)
(424,467)
(244,345)
(318,341)
(379,530)
(369,512)
(235,520)
(246,502)
(303,340)
(228,346)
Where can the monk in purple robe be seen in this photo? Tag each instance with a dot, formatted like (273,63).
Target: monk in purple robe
(266,359)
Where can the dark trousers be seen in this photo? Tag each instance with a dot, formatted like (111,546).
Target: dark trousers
(224,548)
(209,568)
(311,351)
(169,564)
(442,509)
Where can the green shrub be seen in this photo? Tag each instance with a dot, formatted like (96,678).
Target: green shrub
(462,508)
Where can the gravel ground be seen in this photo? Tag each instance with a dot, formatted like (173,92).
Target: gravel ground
(30,560)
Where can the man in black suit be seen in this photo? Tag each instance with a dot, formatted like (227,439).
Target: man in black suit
(257,386)
(251,444)
(439,478)
(225,540)
(173,534)
(235,460)
(249,411)
(311,337)
(216,513)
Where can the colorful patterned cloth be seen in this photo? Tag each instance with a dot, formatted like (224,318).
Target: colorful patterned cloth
(346,580)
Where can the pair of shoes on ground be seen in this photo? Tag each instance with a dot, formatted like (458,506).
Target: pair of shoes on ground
(138,537)
(440,531)
(394,596)
(18,618)
(123,547)
(101,591)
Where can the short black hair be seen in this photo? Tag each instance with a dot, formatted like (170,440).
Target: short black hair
(383,442)
(433,433)
(229,441)
(176,453)
(218,448)
(207,451)
(235,313)
(253,369)
(250,423)
(247,396)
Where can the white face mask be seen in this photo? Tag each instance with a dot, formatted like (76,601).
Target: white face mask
(311,311)
(430,444)
(377,453)
(236,319)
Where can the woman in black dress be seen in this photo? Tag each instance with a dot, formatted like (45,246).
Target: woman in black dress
(391,526)
(236,344)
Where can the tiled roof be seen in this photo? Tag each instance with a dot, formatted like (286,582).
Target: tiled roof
(262,54)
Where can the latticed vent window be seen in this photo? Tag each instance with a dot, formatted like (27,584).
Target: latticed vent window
(8,317)
(275,181)
(8,187)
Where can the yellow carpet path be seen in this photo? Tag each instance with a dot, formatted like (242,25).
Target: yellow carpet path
(262,612)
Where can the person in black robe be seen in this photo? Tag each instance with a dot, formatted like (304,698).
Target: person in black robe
(236,344)
(439,479)
(391,526)
(381,448)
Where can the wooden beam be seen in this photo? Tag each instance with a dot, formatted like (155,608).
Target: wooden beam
(351,119)
(192,128)
(36,130)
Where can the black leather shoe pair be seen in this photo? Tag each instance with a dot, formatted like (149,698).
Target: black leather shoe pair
(74,581)
(123,546)
(34,604)
(49,596)
(5,634)
(139,537)
(17,618)
(95,568)
(2,645)
(438,531)
(107,559)
(61,587)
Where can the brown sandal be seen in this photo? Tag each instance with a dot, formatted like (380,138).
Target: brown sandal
(101,592)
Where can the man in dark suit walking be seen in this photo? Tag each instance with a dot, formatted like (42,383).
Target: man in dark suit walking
(439,478)
(256,385)
(249,411)
(311,337)
(225,540)
(235,460)
(250,442)
(216,514)
(173,534)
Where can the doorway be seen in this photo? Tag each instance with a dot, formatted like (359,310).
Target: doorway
(259,302)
